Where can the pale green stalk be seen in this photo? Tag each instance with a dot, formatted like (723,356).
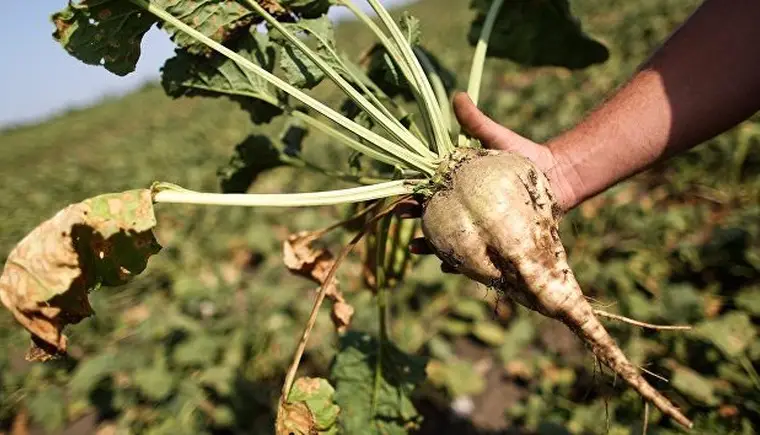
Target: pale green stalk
(442,141)
(173,194)
(372,98)
(305,164)
(479,60)
(396,130)
(395,54)
(418,162)
(440,90)
(347,140)
(384,40)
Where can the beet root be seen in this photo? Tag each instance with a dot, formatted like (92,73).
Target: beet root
(493,218)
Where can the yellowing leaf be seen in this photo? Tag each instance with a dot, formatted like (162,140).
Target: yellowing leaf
(310,409)
(102,241)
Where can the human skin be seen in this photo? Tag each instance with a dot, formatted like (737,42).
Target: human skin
(703,80)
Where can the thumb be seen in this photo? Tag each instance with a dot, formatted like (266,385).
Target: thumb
(483,128)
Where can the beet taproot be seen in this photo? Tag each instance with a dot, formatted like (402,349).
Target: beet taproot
(493,217)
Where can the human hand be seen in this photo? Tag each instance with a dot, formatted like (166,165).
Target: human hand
(497,137)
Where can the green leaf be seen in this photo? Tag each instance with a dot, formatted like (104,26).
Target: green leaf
(102,241)
(519,335)
(386,75)
(200,350)
(456,327)
(682,303)
(458,377)
(537,33)
(410,28)
(308,8)
(488,332)
(48,408)
(373,390)
(292,137)
(187,75)
(749,300)
(155,382)
(103,32)
(109,32)
(731,333)
(220,378)
(91,371)
(470,309)
(318,395)
(299,70)
(254,156)
(221,20)
(694,385)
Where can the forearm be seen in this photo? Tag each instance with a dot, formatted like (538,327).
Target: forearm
(704,80)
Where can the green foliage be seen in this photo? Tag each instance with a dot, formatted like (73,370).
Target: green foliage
(185,75)
(299,70)
(93,33)
(374,381)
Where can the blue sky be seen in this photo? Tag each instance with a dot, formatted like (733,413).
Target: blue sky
(39,79)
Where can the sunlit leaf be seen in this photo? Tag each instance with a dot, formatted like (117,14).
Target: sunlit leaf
(489,332)
(471,309)
(91,371)
(731,333)
(458,377)
(519,335)
(694,385)
(48,408)
(749,299)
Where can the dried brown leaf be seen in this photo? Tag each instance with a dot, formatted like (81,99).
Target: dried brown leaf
(302,259)
(341,315)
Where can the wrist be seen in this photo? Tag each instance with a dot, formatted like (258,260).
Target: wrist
(564,178)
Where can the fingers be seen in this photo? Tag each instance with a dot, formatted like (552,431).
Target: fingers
(409,209)
(445,268)
(478,125)
(420,246)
